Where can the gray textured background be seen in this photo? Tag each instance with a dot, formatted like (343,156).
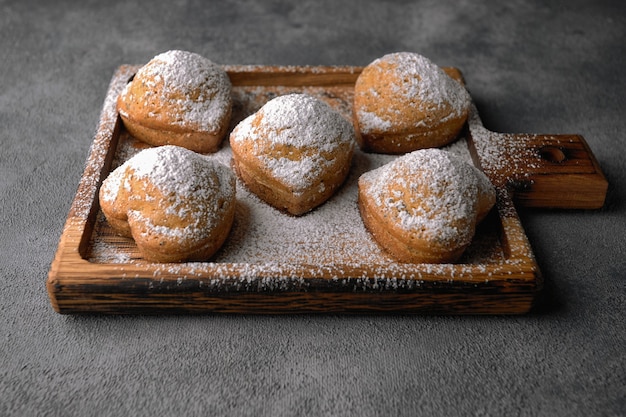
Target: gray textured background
(544,67)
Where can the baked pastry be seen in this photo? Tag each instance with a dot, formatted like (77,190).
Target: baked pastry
(424,206)
(404,102)
(178,98)
(294,152)
(176,204)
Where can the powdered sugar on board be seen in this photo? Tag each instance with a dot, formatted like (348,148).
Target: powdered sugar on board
(265,242)
(88,187)
(332,234)
(503,157)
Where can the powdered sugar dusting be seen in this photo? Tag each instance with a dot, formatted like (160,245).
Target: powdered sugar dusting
(419,82)
(422,79)
(313,131)
(370,121)
(88,187)
(505,158)
(191,185)
(198,90)
(268,254)
(431,193)
(330,240)
(269,250)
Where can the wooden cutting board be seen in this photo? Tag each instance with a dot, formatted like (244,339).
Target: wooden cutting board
(325,261)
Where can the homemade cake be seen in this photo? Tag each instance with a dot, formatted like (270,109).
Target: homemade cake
(404,102)
(424,206)
(178,98)
(176,204)
(293,153)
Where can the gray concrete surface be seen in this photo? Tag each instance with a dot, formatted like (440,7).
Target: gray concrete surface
(532,66)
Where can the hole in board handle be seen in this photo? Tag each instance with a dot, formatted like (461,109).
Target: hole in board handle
(552,154)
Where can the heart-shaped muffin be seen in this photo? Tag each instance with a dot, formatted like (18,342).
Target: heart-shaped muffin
(176,204)
(423,207)
(293,153)
(178,98)
(404,102)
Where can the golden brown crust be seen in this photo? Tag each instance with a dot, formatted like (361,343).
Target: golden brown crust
(294,153)
(394,240)
(158,134)
(424,207)
(404,102)
(174,203)
(278,195)
(178,98)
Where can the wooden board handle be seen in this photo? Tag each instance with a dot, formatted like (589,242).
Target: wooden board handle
(554,171)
